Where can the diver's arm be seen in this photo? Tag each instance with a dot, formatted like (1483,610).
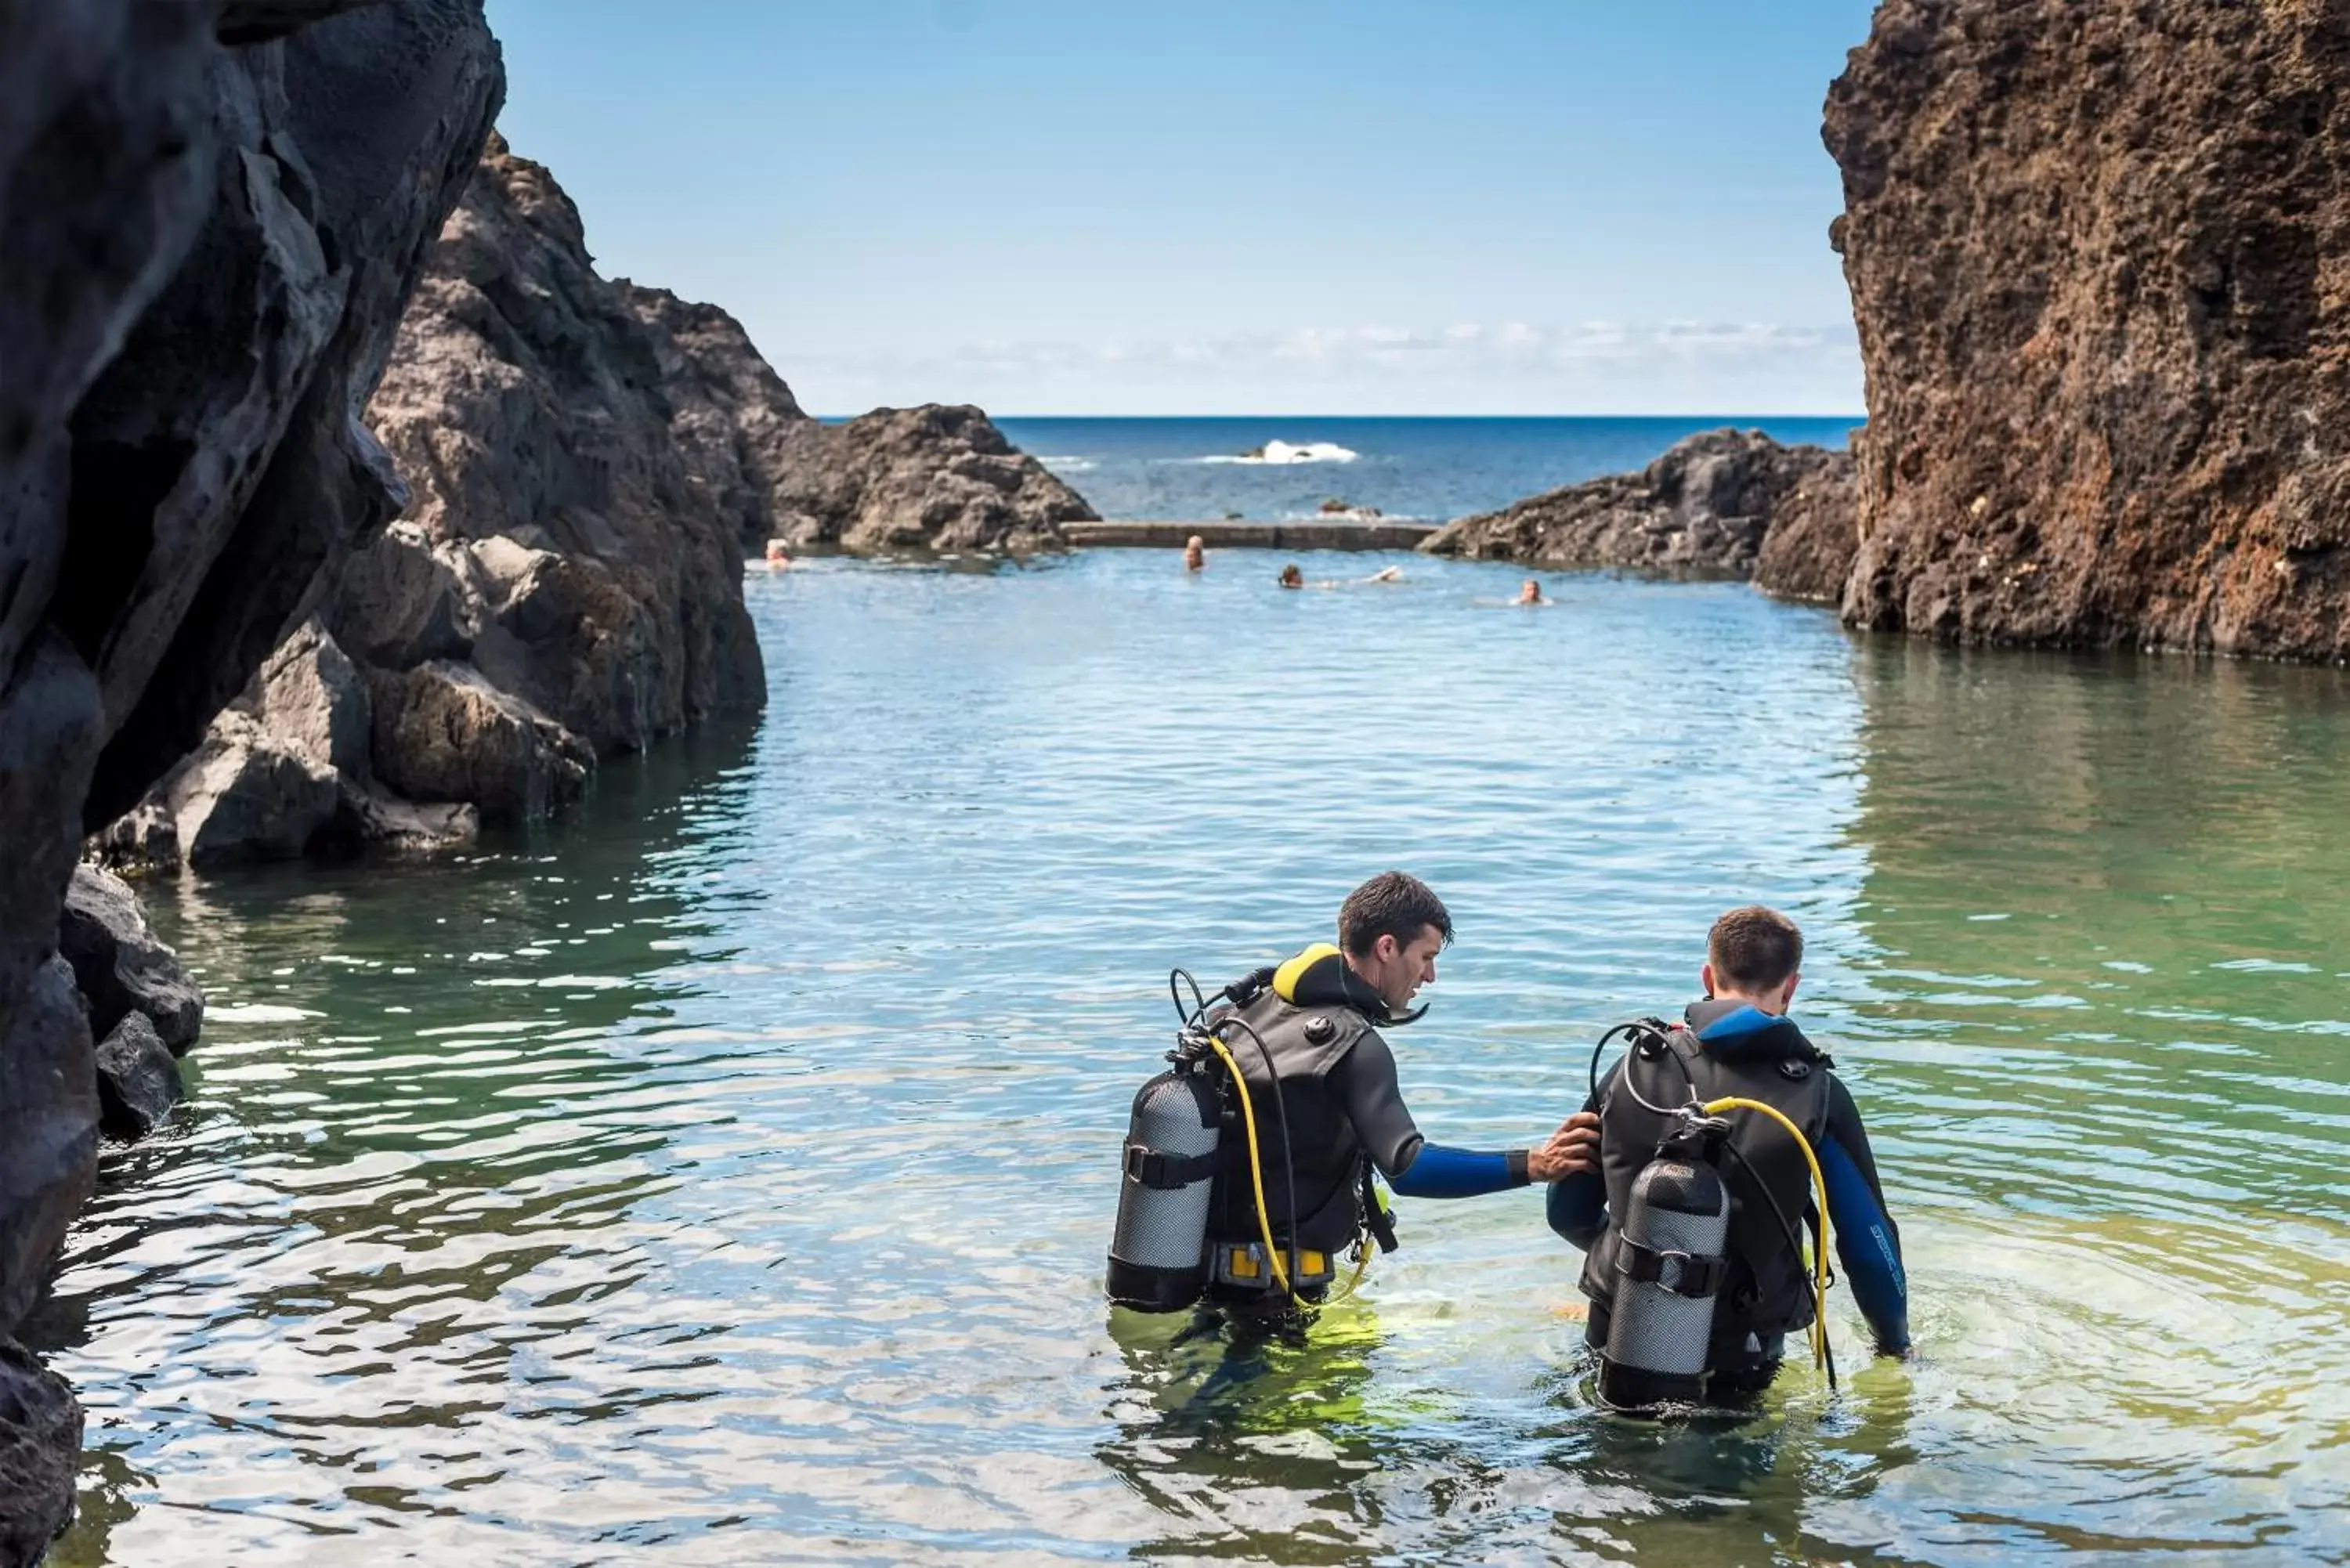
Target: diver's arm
(1366,1082)
(1868,1244)
(1577,1205)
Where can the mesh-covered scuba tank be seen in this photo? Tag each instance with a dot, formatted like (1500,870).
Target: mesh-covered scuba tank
(1158,1252)
(1670,1264)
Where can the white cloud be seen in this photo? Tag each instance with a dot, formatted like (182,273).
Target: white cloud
(1587,366)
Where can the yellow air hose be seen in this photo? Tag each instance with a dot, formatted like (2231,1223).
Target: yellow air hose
(1256,1169)
(1819,1332)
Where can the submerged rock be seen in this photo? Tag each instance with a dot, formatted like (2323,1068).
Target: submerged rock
(2093,254)
(120,965)
(40,1456)
(137,1079)
(1704,507)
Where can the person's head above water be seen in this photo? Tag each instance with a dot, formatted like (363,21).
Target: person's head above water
(1531,594)
(1293,576)
(1391,929)
(1755,955)
(1195,553)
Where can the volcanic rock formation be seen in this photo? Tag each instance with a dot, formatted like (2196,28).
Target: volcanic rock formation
(2096,256)
(205,253)
(1705,508)
(936,477)
(558,589)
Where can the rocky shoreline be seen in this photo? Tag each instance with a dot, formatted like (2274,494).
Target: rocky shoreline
(1719,504)
(341,502)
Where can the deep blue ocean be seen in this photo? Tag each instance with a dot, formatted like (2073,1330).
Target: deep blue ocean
(1434,469)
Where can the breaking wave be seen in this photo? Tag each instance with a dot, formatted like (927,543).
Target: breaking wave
(1281,453)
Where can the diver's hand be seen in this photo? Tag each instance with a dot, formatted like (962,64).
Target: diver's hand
(1570,1151)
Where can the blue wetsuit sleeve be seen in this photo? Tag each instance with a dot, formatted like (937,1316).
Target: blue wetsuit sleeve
(1366,1082)
(1577,1205)
(1436,1171)
(1868,1244)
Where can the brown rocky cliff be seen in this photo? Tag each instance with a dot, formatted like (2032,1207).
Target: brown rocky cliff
(1705,507)
(2097,258)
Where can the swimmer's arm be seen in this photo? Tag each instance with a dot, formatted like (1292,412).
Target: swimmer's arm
(1868,1245)
(1366,1082)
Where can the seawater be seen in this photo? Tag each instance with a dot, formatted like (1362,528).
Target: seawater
(721,1174)
(1427,469)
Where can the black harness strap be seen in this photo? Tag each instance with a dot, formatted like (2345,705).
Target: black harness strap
(1166,1171)
(1683,1274)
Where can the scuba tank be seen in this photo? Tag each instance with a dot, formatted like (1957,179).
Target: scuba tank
(1158,1252)
(1670,1263)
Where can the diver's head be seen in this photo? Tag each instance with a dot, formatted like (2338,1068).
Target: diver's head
(1753,955)
(1391,929)
(1293,576)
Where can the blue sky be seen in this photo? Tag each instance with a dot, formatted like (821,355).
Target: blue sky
(1058,208)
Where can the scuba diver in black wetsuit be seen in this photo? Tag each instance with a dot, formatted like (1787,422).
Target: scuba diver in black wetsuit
(1739,1041)
(1318,1054)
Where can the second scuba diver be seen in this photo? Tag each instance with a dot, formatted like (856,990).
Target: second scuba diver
(1739,1041)
(1318,1018)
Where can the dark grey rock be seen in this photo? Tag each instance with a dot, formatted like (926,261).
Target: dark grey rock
(523,399)
(938,477)
(1703,508)
(137,1079)
(40,1452)
(444,733)
(48,1160)
(119,964)
(222,473)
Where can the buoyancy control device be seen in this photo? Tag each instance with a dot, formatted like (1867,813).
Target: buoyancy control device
(1159,1256)
(1671,1253)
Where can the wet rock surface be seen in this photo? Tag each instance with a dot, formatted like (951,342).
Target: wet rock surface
(137,1079)
(40,1451)
(119,965)
(1704,508)
(2093,254)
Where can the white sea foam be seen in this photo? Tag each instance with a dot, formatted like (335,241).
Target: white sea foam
(1067,465)
(1281,453)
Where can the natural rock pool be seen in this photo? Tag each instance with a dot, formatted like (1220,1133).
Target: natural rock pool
(723,1176)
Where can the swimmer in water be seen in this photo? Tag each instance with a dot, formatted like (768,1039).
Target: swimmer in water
(1293,576)
(1531,594)
(776,560)
(1195,553)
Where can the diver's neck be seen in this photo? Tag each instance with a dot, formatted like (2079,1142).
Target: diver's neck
(1775,1006)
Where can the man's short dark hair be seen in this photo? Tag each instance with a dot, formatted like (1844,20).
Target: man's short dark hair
(1391,904)
(1754,949)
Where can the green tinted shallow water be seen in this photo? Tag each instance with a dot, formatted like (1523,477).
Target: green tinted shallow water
(723,1176)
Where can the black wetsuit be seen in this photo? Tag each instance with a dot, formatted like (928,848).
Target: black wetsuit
(1768,1295)
(1336,1109)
